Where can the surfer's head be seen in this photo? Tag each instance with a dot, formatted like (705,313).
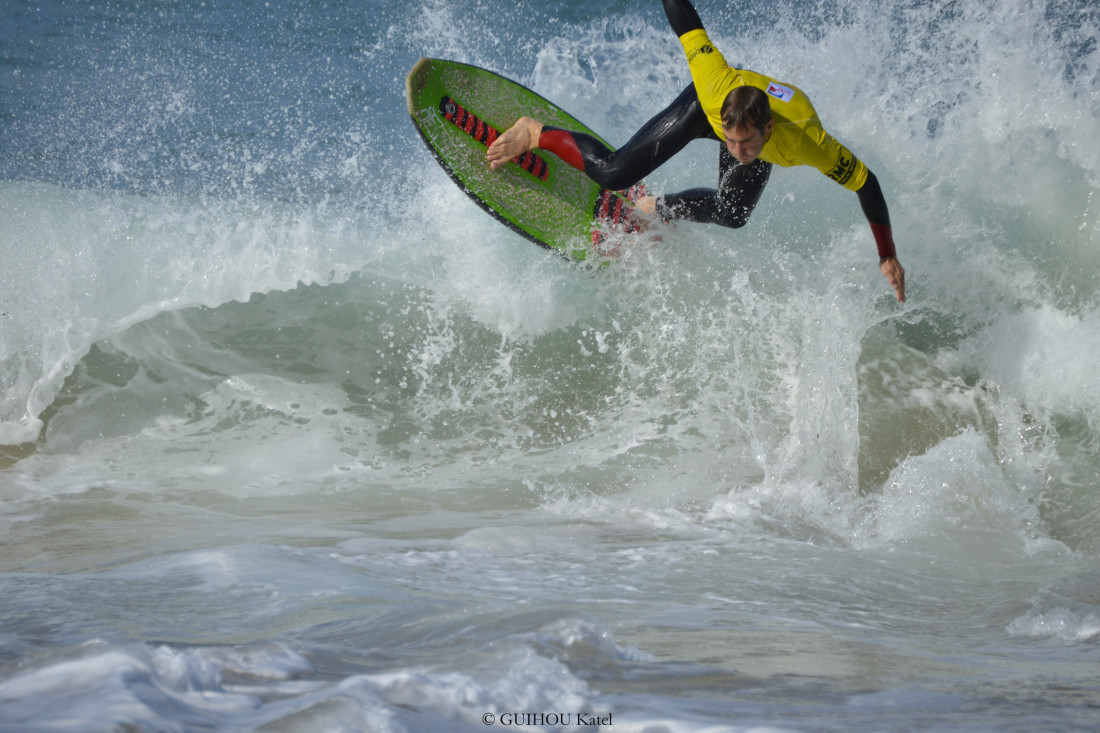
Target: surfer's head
(747,122)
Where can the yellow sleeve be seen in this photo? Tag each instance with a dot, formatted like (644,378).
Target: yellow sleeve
(834,160)
(712,76)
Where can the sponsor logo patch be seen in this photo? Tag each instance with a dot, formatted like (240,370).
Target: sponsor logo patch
(845,167)
(706,48)
(780,92)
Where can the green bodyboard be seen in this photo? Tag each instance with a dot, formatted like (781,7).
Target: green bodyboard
(555,204)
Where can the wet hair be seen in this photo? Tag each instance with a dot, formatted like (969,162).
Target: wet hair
(746,107)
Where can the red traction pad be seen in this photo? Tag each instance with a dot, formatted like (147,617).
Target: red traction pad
(613,210)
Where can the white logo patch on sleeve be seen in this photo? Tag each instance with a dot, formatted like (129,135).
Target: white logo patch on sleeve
(780,92)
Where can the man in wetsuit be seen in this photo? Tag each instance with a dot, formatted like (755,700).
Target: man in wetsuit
(761,122)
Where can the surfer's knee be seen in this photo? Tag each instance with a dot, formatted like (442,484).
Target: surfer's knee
(614,177)
(732,215)
(702,205)
(734,220)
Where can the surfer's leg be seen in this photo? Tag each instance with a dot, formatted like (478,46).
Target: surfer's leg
(739,190)
(652,146)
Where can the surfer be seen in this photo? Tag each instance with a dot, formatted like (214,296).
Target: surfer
(760,121)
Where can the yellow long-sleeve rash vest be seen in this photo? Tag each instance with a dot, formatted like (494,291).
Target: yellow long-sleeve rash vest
(797,138)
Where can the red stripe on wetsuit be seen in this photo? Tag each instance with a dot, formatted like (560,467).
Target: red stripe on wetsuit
(562,144)
(884,239)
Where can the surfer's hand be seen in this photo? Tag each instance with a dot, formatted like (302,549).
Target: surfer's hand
(895,273)
(516,140)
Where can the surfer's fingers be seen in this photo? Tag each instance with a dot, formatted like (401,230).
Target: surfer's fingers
(895,274)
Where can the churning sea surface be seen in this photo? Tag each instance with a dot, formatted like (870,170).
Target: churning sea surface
(297,438)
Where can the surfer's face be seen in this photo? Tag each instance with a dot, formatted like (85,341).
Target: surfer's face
(746,143)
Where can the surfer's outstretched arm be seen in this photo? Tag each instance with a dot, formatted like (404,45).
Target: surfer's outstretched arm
(874,208)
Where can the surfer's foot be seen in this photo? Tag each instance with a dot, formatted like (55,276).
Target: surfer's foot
(516,140)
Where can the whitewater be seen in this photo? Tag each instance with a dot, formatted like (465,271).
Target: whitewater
(295,437)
